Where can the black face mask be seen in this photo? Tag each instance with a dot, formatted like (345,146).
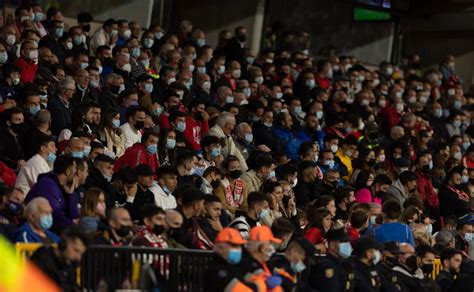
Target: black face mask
(215,183)
(425,169)
(411,263)
(139,125)
(107,61)
(427,269)
(371,162)
(380,194)
(158,229)
(86,28)
(18,128)
(115,89)
(123,231)
(392,261)
(471,181)
(242,38)
(235,174)
(74,264)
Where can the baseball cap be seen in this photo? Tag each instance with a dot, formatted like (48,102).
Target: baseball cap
(263,233)
(230,235)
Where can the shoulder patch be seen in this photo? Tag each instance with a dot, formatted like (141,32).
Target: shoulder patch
(329,273)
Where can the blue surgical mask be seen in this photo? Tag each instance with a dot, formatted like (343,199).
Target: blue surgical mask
(51,157)
(271,175)
(234,256)
(377,257)
(345,249)
(465,179)
(87,150)
(372,220)
(438,113)
(221,70)
(469,237)
(298,267)
(229,99)
(158,35)
(136,52)
(116,123)
(3,57)
(152,149)
(247,91)
(269,125)
(215,152)
(35,109)
(148,88)
(264,213)
(181,126)
(248,138)
(311,83)
(330,163)
(157,111)
(297,110)
(77,40)
(78,154)
(457,104)
(59,32)
(170,143)
(148,42)
(46,221)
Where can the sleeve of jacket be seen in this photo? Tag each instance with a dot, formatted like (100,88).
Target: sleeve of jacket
(233,150)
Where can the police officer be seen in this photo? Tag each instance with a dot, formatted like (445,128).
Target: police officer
(366,255)
(222,273)
(388,278)
(333,273)
(299,253)
(406,268)
(425,257)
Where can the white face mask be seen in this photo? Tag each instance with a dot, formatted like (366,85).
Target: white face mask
(33,55)
(127,67)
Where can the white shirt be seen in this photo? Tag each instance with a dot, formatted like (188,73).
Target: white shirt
(131,136)
(28,174)
(162,199)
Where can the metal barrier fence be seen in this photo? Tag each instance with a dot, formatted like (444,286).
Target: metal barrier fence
(108,269)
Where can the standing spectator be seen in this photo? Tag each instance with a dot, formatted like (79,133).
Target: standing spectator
(392,229)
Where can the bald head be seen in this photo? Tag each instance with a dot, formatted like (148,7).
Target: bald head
(173,219)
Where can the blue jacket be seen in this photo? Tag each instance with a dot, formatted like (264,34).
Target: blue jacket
(317,137)
(25,234)
(64,205)
(290,140)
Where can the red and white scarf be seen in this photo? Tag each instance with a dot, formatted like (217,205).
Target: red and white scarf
(234,198)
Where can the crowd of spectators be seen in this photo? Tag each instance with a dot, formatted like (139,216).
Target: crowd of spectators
(152,137)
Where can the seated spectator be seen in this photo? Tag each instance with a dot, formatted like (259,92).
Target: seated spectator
(141,153)
(264,170)
(132,129)
(451,259)
(319,223)
(258,213)
(110,133)
(100,177)
(11,207)
(11,150)
(119,232)
(167,148)
(210,221)
(211,179)
(144,195)
(305,189)
(93,211)
(343,199)
(39,219)
(232,190)
(376,192)
(153,228)
(56,186)
(392,229)
(402,188)
(453,199)
(463,234)
(212,151)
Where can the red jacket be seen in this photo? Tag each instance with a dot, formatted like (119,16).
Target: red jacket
(426,190)
(353,234)
(323,83)
(164,121)
(7,175)
(136,155)
(194,132)
(314,236)
(27,70)
(388,118)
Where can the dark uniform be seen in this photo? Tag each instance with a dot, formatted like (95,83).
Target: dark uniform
(332,274)
(445,280)
(366,277)
(220,274)
(407,279)
(388,278)
(465,281)
(280,265)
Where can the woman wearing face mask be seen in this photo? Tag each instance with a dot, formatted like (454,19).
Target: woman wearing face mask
(453,196)
(274,191)
(167,150)
(93,210)
(363,186)
(319,223)
(110,133)
(232,190)
(364,162)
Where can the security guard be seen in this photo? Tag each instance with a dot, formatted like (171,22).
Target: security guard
(259,249)
(333,273)
(388,278)
(365,255)
(299,253)
(222,274)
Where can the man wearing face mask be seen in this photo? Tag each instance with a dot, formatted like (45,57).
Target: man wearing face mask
(333,273)
(234,49)
(210,221)
(264,170)
(366,255)
(144,195)
(39,219)
(259,249)
(305,187)
(388,278)
(258,213)
(11,149)
(153,228)
(425,257)
(202,92)
(141,153)
(8,84)
(292,263)
(11,206)
(28,61)
(231,76)
(330,183)
(451,260)
(404,187)
(119,232)
(100,177)
(464,233)
(223,273)
(406,267)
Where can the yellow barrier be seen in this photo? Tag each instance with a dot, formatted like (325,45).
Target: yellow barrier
(436,268)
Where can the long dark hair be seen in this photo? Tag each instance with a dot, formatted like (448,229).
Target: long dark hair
(163,151)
